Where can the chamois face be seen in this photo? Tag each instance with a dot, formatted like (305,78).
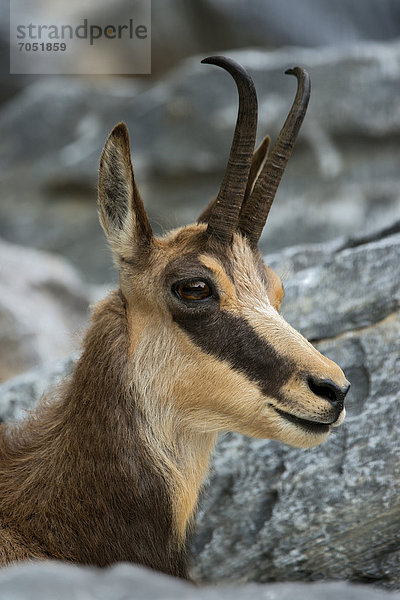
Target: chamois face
(207,343)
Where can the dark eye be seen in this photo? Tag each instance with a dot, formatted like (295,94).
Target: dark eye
(193,290)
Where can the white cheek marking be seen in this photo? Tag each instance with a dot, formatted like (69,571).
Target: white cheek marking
(341,418)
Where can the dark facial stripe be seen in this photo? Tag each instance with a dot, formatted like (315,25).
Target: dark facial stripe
(231,338)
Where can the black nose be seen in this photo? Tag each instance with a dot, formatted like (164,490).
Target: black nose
(330,391)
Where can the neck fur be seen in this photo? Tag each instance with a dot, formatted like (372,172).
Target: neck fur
(93,476)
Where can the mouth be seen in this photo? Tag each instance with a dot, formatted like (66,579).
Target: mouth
(307,426)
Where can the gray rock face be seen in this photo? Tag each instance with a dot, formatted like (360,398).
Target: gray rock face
(43,307)
(22,393)
(343,177)
(181,29)
(274,513)
(309,23)
(50,580)
(354,289)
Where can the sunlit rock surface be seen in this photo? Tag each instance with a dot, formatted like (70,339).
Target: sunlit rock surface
(46,581)
(44,305)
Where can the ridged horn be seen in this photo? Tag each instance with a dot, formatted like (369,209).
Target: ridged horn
(223,219)
(257,162)
(255,211)
(259,158)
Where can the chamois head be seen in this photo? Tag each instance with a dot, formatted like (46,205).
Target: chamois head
(207,342)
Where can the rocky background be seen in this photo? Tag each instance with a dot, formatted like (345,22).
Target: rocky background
(269,513)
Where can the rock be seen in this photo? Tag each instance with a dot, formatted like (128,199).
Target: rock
(273,513)
(311,23)
(324,315)
(43,308)
(23,392)
(342,179)
(180,29)
(45,581)
(50,201)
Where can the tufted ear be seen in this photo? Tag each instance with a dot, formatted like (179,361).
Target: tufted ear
(121,211)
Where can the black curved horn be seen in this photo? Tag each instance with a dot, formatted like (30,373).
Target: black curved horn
(223,219)
(255,211)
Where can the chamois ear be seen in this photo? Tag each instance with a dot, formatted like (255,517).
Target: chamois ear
(121,211)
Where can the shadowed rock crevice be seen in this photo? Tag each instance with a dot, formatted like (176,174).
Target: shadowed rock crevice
(374,236)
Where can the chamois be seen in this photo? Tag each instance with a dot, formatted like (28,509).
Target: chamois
(191,344)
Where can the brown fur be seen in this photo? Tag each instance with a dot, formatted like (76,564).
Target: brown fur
(110,469)
(76,480)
